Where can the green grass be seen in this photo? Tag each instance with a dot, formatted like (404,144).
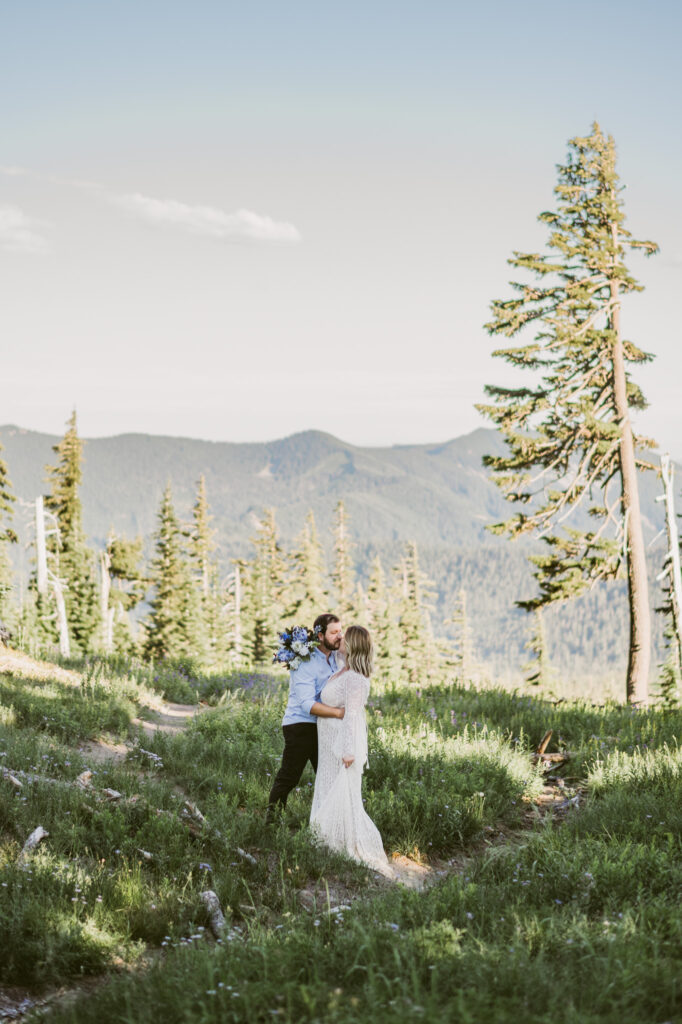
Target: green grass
(573,920)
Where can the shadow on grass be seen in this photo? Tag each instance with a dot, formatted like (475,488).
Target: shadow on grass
(587,731)
(67,711)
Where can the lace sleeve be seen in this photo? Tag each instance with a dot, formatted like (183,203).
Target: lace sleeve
(352,736)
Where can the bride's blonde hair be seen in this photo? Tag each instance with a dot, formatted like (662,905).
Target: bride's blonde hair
(359,650)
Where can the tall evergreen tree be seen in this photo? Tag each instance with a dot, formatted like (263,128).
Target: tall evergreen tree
(343,574)
(569,433)
(202,536)
(167,627)
(268,588)
(308,591)
(464,647)
(220,649)
(127,588)
(73,560)
(382,618)
(540,669)
(239,611)
(7,536)
(414,625)
(202,549)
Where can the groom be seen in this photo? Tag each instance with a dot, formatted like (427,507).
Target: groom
(303,708)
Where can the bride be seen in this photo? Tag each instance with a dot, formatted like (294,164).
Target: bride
(338,816)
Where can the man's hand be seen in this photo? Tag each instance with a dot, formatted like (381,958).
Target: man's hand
(326,710)
(347,761)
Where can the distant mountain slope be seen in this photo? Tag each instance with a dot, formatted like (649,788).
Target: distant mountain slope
(438,495)
(433,494)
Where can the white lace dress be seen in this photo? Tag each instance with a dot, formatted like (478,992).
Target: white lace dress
(338,816)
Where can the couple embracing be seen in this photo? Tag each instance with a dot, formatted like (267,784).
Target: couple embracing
(325,723)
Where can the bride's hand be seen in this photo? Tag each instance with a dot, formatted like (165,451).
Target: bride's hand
(347,761)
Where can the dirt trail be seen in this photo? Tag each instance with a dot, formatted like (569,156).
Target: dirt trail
(168,718)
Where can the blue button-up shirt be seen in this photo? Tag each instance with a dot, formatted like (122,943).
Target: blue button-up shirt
(305,686)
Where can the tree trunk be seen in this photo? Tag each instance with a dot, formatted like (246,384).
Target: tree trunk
(64,642)
(237,615)
(638,592)
(673,568)
(41,550)
(106,613)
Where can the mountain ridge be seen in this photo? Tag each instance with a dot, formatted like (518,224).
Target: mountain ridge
(437,494)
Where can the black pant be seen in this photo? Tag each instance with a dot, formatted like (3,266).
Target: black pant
(300,746)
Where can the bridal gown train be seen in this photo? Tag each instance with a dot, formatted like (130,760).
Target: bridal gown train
(338,816)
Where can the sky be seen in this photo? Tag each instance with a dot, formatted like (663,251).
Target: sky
(239,221)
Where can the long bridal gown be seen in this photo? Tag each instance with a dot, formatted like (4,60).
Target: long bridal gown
(338,816)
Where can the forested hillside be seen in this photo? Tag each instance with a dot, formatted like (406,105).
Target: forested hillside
(436,495)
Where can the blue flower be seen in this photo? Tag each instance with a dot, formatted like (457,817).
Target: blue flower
(300,633)
(285,655)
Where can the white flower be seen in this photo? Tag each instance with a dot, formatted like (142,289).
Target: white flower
(299,647)
(295,663)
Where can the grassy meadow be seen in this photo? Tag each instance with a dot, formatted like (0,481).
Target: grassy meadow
(564,917)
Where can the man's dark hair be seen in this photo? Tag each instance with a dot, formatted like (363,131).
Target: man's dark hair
(323,621)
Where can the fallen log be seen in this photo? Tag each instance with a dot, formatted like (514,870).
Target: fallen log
(246,856)
(216,918)
(36,836)
(544,742)
(12,778)
(84,780)
(197,823)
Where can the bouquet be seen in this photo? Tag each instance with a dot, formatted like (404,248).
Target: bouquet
(296,645)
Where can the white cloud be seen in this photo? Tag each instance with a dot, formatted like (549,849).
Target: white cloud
(199,220)
(207,220)
(17,232)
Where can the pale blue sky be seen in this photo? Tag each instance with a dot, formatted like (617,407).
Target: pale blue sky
(390,156)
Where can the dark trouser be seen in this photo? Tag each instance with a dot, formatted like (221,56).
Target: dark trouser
(300,746)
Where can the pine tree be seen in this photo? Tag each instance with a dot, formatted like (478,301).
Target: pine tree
(202,548)
(540,669)
(569,433)
(7,537)
(202,542)
(359,615)
(122,560)
(382,623)
(167,625)
(267,588)
(308,591)
(220,651)
(343,575)
(72,559)
(239,613)
(416,637)
(463,653)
